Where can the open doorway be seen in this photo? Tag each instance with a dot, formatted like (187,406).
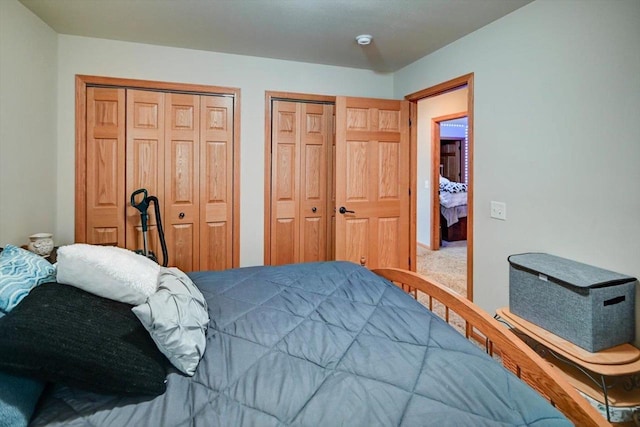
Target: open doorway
(446,259)
(435,149)
(449,166)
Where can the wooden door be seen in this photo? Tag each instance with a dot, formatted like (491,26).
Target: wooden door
(285,182)
(181,180)
(372,180)
(315,139)
(331,187)
(301,143)
(450,159)
(105,164)
(216,182)
(145,163)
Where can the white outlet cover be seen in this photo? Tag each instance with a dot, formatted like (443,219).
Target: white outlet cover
(499,210)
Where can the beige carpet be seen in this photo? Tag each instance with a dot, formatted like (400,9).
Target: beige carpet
(447,266)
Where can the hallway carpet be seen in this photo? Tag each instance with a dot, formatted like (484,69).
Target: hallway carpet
(447,265)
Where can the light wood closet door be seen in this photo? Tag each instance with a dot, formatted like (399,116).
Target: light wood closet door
(216,182)
(315,137)
(105,157)
(331,188)
(177,142)
(145,163)
(182,180)
(285,182)
(372,179)
(301,138)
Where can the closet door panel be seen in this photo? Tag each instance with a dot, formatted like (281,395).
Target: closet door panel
(331,186)
(181,179)
(145,163)
(215,242)
(216,182)
(314,139)
(285,183)
(105,166)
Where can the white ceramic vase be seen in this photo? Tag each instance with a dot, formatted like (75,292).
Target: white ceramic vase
(41,244)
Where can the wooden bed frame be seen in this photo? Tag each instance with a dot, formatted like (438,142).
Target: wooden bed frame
(515,355)
(456,232)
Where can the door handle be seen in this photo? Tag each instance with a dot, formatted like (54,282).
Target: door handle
(314,209)
(181,216)
(344,210)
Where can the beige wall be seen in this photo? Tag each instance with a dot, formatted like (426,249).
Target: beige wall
(428,109)
(557,101)
(27,124)
(78,55)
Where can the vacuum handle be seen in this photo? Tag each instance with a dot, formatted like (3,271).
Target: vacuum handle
(142,206)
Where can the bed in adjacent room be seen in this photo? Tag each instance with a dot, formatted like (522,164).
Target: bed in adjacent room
(453,210)
(307,345)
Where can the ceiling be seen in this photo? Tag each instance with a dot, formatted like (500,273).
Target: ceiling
(315,31)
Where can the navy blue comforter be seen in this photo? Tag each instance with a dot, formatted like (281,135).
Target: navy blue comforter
(322,344)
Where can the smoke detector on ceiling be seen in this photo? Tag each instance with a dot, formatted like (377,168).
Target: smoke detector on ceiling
(364,39)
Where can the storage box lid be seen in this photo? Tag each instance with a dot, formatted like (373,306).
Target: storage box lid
(566,271)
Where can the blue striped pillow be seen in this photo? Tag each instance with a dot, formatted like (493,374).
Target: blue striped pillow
(21,271)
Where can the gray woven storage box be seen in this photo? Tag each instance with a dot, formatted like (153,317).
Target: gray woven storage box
(588,306)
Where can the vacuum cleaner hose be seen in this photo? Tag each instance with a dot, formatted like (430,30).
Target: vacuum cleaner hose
(163,243)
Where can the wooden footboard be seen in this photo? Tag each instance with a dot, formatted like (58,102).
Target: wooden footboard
(514,353)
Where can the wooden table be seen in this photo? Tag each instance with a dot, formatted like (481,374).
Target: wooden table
(610,376)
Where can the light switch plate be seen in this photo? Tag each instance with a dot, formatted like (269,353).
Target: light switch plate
(499,210)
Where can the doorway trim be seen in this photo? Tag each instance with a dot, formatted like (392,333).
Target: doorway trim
(458,82)
(84,81)
(435,175)
(271,96)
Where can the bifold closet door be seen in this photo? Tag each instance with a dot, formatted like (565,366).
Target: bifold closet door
(180,148)
(216,182)
(182,180)
(301,137)
(145,163)
(162,156)
(315,138)
(105,164)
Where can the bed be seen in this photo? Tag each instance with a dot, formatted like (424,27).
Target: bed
(453,210)
(335,344)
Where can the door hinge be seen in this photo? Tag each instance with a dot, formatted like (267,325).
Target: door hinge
(409,122)
(409,262)
(409,191)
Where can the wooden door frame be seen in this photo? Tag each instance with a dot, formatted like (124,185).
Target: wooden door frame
(84,81)
(435,175)
(456,83)
(271,96)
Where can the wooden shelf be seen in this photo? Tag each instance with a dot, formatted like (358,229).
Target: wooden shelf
(617,395)
(616,361)
(587,371)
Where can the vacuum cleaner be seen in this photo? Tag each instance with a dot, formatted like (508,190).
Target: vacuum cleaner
(143,206)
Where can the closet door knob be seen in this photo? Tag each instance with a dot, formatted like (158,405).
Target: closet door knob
(314,209)
(181,215)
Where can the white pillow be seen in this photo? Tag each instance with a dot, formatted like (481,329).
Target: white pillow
(108,271)
(176,317)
